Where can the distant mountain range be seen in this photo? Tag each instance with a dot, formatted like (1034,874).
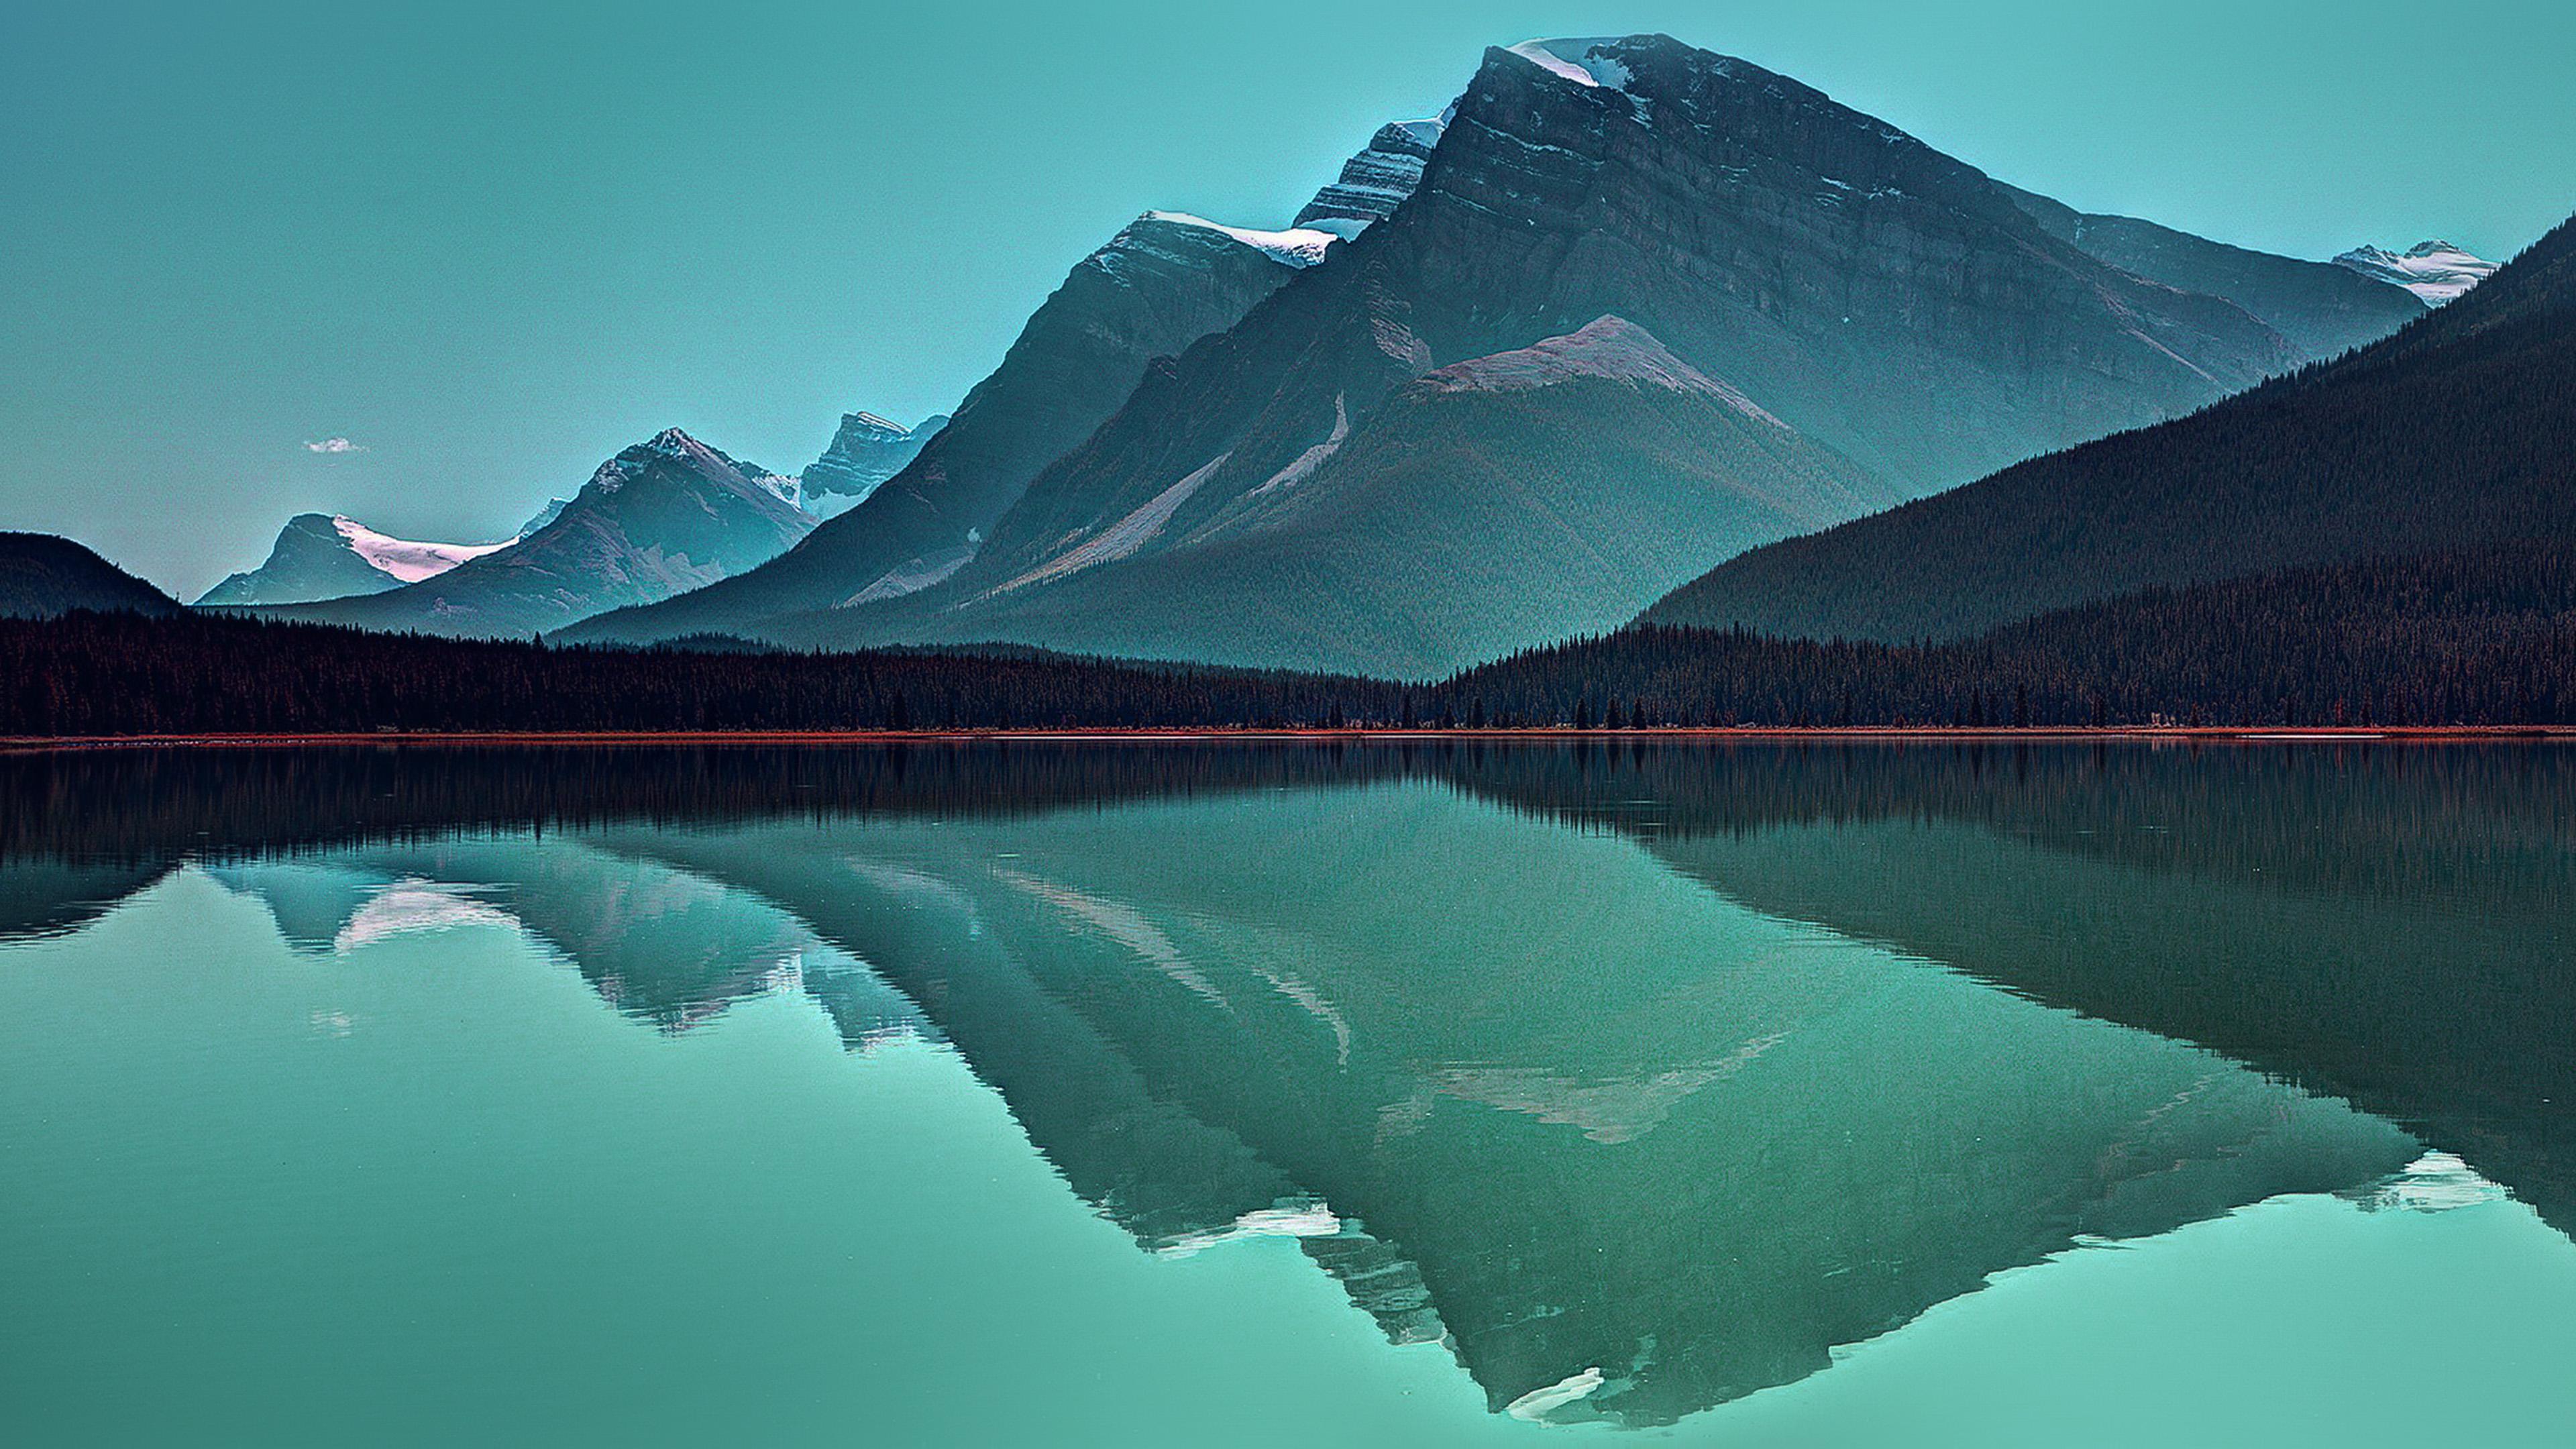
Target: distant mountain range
(1294,489)
(2453,434)
(661,517)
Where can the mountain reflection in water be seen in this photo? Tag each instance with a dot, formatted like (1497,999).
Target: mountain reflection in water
(1642,1077)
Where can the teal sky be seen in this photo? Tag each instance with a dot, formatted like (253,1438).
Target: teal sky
(490,244)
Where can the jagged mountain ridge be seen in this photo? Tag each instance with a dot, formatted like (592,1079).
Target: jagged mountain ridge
(664,516)
(2452,434)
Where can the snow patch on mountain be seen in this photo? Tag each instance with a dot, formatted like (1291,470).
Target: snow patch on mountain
(1581,60)
(1297,246)
(2436,271)
(1609,348)
(405,559)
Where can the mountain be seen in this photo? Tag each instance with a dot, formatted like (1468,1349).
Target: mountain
(1163,282)
(2453,434)
(42,575)
(1887,303)
(661,517)
(2435,271)
(323,556)
(865,452)
(2324,308)
(1376,181)
(1538,492)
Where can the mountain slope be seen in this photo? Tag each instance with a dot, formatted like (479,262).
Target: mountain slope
(2453,434)
(2324,308)
(42,575)
(322,556)
(661,517)
(1540,492)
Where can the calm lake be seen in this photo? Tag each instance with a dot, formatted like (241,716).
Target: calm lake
(1167,1094)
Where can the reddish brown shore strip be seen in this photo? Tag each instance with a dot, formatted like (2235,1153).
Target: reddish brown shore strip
(2210,734)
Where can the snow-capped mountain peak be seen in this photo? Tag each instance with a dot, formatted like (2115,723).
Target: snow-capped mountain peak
(2436,271)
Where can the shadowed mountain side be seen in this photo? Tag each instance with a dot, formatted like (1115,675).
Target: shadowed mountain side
(1544,492)
(43,576)
(2324,309)
(2452,435)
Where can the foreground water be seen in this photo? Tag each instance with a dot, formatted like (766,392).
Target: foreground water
(1135,1094)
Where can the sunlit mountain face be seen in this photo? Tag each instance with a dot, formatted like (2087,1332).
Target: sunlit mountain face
(1638,1080)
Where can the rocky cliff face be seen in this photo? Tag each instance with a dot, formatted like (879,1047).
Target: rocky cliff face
(660,518)
(1377,180)
(866,451)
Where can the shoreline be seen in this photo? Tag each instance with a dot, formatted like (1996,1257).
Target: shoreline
(1886,734)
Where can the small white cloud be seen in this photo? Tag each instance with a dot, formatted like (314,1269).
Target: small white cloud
(334,445)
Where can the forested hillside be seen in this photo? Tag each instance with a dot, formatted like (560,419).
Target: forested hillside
(2482,638)
(2457,433)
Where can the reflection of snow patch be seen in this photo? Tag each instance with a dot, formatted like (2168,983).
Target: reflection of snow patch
(1537,1404)
(1311,1220)
(1123,924)
(417,905)
(2435,1182)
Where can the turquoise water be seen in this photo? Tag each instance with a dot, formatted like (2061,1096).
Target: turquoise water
(1287,1097)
